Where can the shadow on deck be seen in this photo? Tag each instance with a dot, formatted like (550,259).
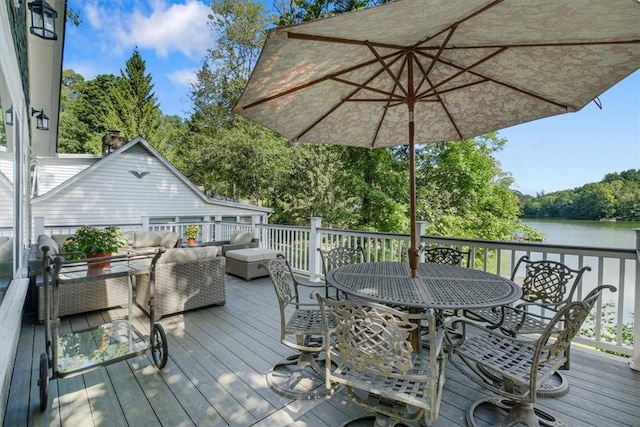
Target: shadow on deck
(218,357)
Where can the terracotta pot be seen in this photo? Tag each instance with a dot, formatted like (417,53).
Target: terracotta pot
(97,267)
(191,242)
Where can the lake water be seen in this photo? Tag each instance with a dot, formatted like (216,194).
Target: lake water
(600,234)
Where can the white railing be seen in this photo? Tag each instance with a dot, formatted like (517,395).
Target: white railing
(613,317)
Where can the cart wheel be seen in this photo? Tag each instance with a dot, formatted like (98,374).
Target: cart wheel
(43,381)
(159,350)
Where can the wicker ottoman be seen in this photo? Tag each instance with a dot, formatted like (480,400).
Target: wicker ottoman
(244,262)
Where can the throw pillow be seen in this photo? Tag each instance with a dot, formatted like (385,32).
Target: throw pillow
(44,240)
(241,238)
(170,239)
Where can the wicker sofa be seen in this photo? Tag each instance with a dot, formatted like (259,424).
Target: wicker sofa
(186,278)
(97,294)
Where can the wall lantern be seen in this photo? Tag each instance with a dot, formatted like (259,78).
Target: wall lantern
(42,121)
(8,116)
(43,20)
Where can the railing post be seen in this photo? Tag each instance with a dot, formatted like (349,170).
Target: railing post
(635,361)
(145,223)
(38,226)
(315,241)
(421,230)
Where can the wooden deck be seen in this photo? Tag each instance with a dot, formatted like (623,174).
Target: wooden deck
(215,376)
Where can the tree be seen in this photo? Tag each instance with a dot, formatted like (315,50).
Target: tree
(135,110)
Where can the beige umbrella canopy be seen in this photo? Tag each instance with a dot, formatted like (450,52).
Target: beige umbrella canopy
(430,70)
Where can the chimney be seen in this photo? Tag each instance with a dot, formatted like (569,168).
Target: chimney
(112,141)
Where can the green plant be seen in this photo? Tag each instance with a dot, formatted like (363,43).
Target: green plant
(608,327)
(93,240)
(191,231)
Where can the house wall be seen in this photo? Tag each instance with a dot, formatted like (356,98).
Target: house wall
(110,194)
(65,168)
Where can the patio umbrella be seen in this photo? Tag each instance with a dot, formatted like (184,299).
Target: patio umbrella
(419,71)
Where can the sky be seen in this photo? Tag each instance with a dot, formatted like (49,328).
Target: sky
(172,36)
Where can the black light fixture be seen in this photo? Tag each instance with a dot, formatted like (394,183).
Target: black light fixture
(8,116)
(43,20)
(42,121)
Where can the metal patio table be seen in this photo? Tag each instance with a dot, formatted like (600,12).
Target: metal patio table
(440,287)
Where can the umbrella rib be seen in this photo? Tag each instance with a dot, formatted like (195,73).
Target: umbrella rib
(395,78)
(447,112)
(347,98)
(338,40)
(435,59)
(320,80)
(369,88)
(442,92)
(485,78)
(524,45)
(461,71)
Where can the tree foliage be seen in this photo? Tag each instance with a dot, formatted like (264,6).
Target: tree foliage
(135,109)
(616,196)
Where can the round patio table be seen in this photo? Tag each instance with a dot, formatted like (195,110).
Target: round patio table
(437,286)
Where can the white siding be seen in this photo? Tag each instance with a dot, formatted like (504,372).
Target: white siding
(110,194)
(51,172)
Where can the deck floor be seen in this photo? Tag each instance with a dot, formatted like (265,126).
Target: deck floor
(218,357)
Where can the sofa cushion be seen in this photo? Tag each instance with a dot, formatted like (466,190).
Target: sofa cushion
(252,254)
(44,240)
(6,250)
(170,239)
(146,239)
(241,237)
(188,254)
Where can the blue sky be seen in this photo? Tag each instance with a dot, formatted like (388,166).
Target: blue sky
(551,154)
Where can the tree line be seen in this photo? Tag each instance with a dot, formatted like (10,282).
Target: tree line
(616,196)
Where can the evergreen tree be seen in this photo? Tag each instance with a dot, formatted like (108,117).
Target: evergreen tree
(135,110)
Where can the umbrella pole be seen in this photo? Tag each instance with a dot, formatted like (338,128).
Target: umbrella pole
(413,248)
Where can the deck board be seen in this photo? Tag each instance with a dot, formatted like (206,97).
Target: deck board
(215,376)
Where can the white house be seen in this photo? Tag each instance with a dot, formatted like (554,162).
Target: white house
(133,187)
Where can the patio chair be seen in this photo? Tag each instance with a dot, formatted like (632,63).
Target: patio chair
(339,257)
(547,287)
(301,328)
(445,255)
(376,363)
(515,367)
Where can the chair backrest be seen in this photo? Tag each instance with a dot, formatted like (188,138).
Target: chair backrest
(340,256)
(572,316)
(547,281)
(371,337)
(445,255)
(281,276)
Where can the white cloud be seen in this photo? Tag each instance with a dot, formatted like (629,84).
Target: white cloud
(183,77)
(158,26)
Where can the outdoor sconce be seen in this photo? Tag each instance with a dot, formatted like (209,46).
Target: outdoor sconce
(42,121)
(43,20)
(8,116)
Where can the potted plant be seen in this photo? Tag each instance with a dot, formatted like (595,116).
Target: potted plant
(191,233)
(89,242)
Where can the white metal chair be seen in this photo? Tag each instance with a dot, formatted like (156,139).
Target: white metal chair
(302,329)
(516,367)
(376,363)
